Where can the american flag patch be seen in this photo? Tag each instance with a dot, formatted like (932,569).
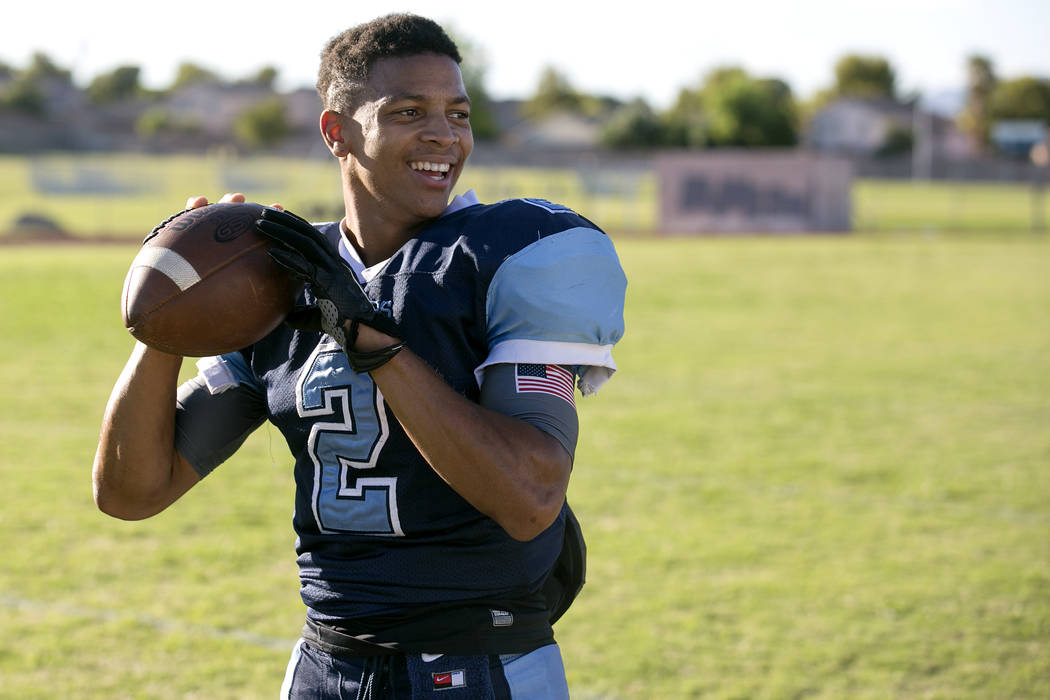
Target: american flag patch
(546,379)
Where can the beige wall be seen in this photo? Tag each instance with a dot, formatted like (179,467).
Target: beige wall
(752,191)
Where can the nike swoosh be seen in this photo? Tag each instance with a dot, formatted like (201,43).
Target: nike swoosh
(427,658)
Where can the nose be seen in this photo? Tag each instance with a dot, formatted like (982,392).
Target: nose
(440,131)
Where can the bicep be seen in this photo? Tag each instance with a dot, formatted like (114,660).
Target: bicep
(540,395)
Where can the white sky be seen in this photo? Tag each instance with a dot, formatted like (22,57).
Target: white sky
(647,48)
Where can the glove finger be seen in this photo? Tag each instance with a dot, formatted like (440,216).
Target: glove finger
(304,318)
(312,246)
(287,218)
(296,265)
(290,220)
(282,234)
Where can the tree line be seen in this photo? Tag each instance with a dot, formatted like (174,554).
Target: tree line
(728,106)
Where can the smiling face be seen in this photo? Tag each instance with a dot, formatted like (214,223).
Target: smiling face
(407,141)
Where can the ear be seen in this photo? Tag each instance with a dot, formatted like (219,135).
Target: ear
(332,131)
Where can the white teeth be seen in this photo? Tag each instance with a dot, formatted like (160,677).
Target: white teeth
(434,167)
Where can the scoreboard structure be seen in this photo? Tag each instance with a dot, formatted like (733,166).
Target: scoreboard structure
(738,191)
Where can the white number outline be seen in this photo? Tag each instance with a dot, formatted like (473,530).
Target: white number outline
(348,486)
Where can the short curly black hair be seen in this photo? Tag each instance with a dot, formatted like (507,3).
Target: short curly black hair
(348,57)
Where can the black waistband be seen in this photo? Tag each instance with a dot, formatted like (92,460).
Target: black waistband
(461,631)
(337,643)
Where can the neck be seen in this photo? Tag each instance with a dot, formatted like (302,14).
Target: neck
(374,241)
(374,231)
(377,235)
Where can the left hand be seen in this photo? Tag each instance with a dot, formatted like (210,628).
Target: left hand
(341,302)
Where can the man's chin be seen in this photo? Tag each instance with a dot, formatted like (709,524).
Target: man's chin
(432,206)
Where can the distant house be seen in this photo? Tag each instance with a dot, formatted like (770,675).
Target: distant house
(212,107)
(858,127)
(559,130)
(27,131)
(303,109)
(61,96)
(865,127)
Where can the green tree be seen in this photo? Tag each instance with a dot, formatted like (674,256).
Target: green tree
(158,121)
(975,119)
(121,83)
(685,123)
(633,125)
(553,93)
(483,121)
(729,108)
(23,96)
(746,111)
(898,141)
(153,122)
(858,75)
(26,91)
(41,67)
(262,125)
(191,73)
(1025,97)
(265,77)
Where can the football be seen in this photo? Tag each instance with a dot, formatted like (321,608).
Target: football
(204,284)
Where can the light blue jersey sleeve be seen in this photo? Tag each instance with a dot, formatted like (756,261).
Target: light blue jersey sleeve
(560,301)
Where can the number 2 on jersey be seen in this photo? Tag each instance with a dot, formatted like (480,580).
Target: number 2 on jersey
(346,445)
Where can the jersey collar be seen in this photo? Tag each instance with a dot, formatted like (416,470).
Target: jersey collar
(365,274)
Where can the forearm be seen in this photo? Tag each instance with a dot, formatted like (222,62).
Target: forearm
(504,467)
(137,471)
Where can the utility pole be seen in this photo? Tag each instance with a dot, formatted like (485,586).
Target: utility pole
(921,142)
(1040,155)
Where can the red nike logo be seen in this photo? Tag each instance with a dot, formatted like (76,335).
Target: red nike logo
(449,679)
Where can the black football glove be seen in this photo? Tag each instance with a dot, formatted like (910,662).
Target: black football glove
(308,256)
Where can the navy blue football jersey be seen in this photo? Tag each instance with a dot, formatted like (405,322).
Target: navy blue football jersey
(381,537)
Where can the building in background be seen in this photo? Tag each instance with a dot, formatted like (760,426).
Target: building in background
(870,128)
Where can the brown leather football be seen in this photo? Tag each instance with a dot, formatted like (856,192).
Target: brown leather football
(204,284)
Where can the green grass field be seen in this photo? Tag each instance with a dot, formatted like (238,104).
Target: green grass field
(126,195)
(823,471)
(894,206)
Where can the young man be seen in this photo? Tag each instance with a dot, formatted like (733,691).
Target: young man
(426,388)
